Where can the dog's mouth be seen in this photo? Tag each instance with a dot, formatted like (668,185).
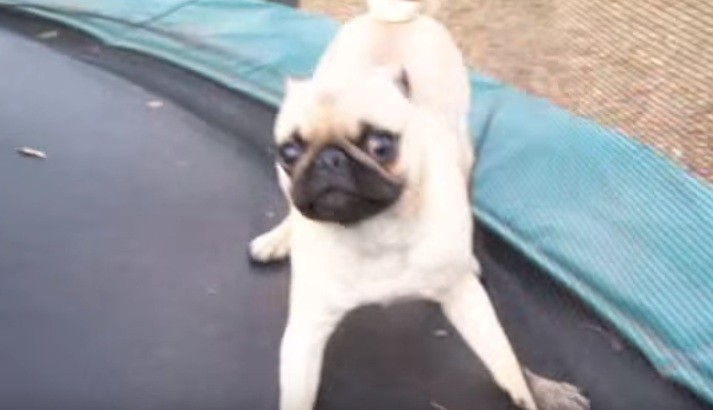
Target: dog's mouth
(342,206)
(340,188)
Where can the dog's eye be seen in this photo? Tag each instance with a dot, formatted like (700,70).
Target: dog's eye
(290,152)
(381,146)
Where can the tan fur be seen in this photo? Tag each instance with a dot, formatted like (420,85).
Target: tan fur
(420,247)
(419,45)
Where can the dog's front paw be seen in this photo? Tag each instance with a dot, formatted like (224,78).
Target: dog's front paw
(553,395)
(271,246)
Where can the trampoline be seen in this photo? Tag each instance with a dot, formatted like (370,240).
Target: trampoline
(124,278)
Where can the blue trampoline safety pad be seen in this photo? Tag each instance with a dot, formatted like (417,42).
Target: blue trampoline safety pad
(623,228)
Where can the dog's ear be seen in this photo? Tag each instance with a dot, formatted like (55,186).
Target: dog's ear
(399,76)
(403,83)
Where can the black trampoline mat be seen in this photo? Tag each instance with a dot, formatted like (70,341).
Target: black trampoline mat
(124,279)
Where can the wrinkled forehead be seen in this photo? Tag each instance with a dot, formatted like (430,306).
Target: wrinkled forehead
(317,116)
(318,113)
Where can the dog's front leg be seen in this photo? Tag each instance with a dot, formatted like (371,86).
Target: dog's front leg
(274,245)
(468,307)
(301,354)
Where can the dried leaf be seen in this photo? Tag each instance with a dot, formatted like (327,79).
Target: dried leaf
(48,35)
(154,104)
(32,153)
(440,333)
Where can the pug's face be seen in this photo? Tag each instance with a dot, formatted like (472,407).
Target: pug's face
(341,147)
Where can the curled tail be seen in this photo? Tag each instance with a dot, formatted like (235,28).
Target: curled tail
(399,11)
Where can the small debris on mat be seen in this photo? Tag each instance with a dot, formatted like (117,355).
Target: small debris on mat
(31,152)
(440,333)
(212,290)
(154,104)
(269,214)
(437,406)
(94,49)
(616,344)
(48,35)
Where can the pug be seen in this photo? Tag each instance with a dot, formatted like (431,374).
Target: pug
(393,33)
(381,214)
(374,159)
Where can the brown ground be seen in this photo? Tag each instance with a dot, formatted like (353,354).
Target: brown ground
(643,66)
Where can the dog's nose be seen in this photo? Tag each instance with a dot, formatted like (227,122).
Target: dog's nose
(332,158)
